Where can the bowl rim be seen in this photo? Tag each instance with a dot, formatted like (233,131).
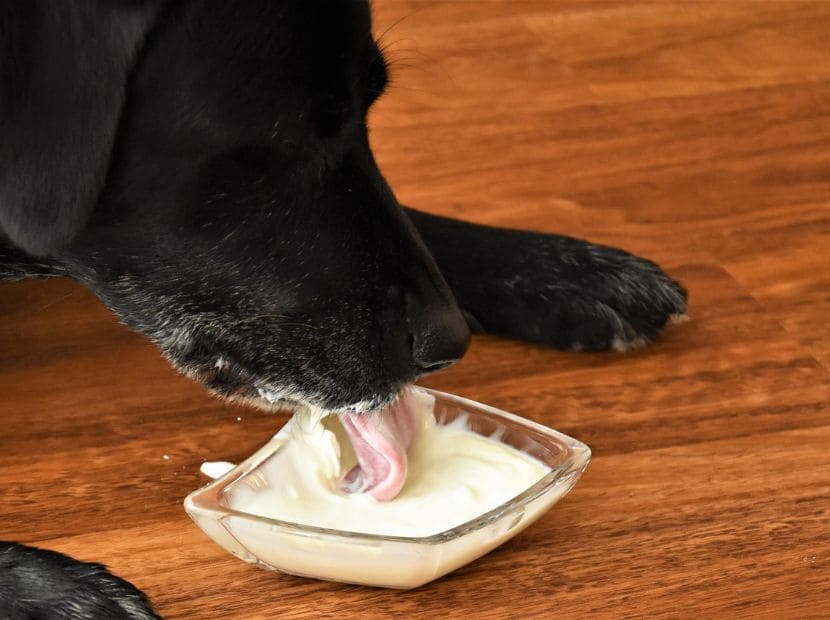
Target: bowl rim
(205,500)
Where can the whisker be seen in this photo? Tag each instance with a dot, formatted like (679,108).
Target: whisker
(379,39)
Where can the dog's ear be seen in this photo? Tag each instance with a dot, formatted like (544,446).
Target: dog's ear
(64,68)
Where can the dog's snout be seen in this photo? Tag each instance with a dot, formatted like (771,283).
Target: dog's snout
(440,337)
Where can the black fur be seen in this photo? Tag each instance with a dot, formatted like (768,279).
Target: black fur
(204,167)
(36,584)
(62,88)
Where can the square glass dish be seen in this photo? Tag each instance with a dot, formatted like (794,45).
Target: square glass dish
(380,560)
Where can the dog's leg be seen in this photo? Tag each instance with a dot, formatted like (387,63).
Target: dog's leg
(551,289)
(36,583)
(17,265)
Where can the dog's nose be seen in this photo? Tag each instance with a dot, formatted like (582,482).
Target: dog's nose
(440,337)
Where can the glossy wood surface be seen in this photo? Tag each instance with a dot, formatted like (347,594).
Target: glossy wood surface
(695,133)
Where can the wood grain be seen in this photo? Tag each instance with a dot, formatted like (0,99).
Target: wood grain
(695,133)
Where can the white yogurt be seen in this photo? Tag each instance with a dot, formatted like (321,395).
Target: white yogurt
(454,475)
(216,469)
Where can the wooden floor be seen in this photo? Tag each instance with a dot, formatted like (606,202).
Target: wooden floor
(697,134)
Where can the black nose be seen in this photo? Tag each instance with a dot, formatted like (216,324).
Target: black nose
(440,337)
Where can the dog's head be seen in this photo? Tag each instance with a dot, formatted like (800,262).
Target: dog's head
(205,168)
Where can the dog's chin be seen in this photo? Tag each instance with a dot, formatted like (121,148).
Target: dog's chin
(274,399)
(233,383)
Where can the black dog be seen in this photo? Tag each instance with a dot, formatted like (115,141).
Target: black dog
(204,168)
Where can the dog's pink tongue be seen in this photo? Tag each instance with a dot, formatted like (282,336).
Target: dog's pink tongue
(380,441)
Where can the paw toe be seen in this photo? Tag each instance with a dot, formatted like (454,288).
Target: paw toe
(631,304)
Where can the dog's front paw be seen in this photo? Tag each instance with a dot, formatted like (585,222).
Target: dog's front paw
(37,583)
(551,289)
(582,297)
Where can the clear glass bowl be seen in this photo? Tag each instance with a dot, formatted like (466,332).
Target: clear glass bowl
(390,561)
